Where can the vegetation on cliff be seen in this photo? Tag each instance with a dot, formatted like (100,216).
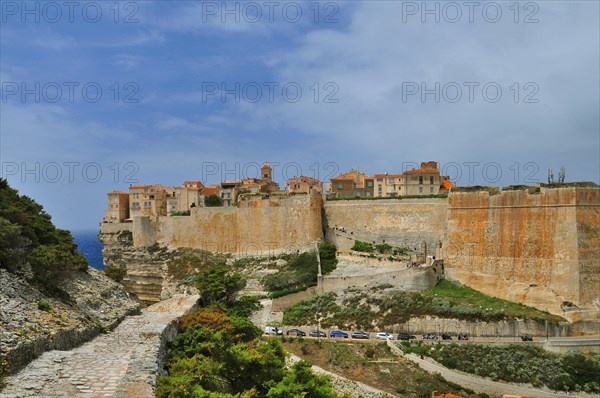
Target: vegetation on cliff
(31,245)
(446,300)
(375,365)
(301,271)
(220,353)
(573,371)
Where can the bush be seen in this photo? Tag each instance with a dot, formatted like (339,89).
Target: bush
(362,246)
(27,235)
(383,248)
(327,255)
(44,306)
(300,274)
(115,273)
(213,201)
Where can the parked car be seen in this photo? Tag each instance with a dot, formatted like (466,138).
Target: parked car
(405,336)
(526,337)
(338,333)
(275,331)
(317,333)
(357,334)
(446,336)
(429,336)
(384,336)
(295,332)
(463,336)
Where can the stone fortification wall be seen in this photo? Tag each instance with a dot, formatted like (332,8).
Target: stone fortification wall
(278,224)
(402,223)
(540,249)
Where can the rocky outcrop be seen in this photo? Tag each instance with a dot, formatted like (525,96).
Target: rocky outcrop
(33,322)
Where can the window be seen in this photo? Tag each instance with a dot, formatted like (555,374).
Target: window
(135,205)
(369,183)
(368,193)
(421,180)
(430,189)
(431,180)
(147,204)
(400,180)
(420,189)
(390,180)
(339,185)
(380,180)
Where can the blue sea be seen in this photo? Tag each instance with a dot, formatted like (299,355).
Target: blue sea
(90,246)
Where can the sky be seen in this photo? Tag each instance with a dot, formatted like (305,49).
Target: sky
(98,95)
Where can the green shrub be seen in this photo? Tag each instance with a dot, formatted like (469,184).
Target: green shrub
(115,273)
(362,246)
(300,274)
(327,255)
(44,306)
(383,248)
(213,201)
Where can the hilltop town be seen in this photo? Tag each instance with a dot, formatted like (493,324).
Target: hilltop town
(160,200)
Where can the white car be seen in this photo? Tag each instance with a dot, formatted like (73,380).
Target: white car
(384,336)
(273,331)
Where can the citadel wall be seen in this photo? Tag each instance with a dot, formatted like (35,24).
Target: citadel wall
(539,249)
(256,227)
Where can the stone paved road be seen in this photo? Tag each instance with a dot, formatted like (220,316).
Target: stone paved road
(120,364)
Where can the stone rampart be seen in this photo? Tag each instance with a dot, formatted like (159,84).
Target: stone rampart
(539,249)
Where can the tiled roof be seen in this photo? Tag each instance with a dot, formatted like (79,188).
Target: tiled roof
(422,171)
(447,184)
(305,179)
(210,191)
(351,175)
(387,176)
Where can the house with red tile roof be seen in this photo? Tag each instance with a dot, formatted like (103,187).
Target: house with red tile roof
(303,184)
(350,184)
(425,180)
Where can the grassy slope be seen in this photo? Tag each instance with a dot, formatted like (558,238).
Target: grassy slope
(447,300)
(464,294)
(373,364)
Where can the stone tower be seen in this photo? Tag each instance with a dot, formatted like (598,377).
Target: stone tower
(266,172)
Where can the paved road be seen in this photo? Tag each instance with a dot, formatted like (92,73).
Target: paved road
(478,384)
(120,364)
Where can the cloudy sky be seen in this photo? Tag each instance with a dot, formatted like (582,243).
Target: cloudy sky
(98,95)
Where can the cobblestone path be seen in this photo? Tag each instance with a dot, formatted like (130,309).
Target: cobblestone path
(121,364)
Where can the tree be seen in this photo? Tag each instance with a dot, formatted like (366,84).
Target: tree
(302,382)
(213,201)
(329,261)
(218,285)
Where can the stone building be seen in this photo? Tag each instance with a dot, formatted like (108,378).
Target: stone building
(207,191)
(350,184)
(118,207)
(149,200)
(303,184)
(230,189)
(386,185)
(425,180)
